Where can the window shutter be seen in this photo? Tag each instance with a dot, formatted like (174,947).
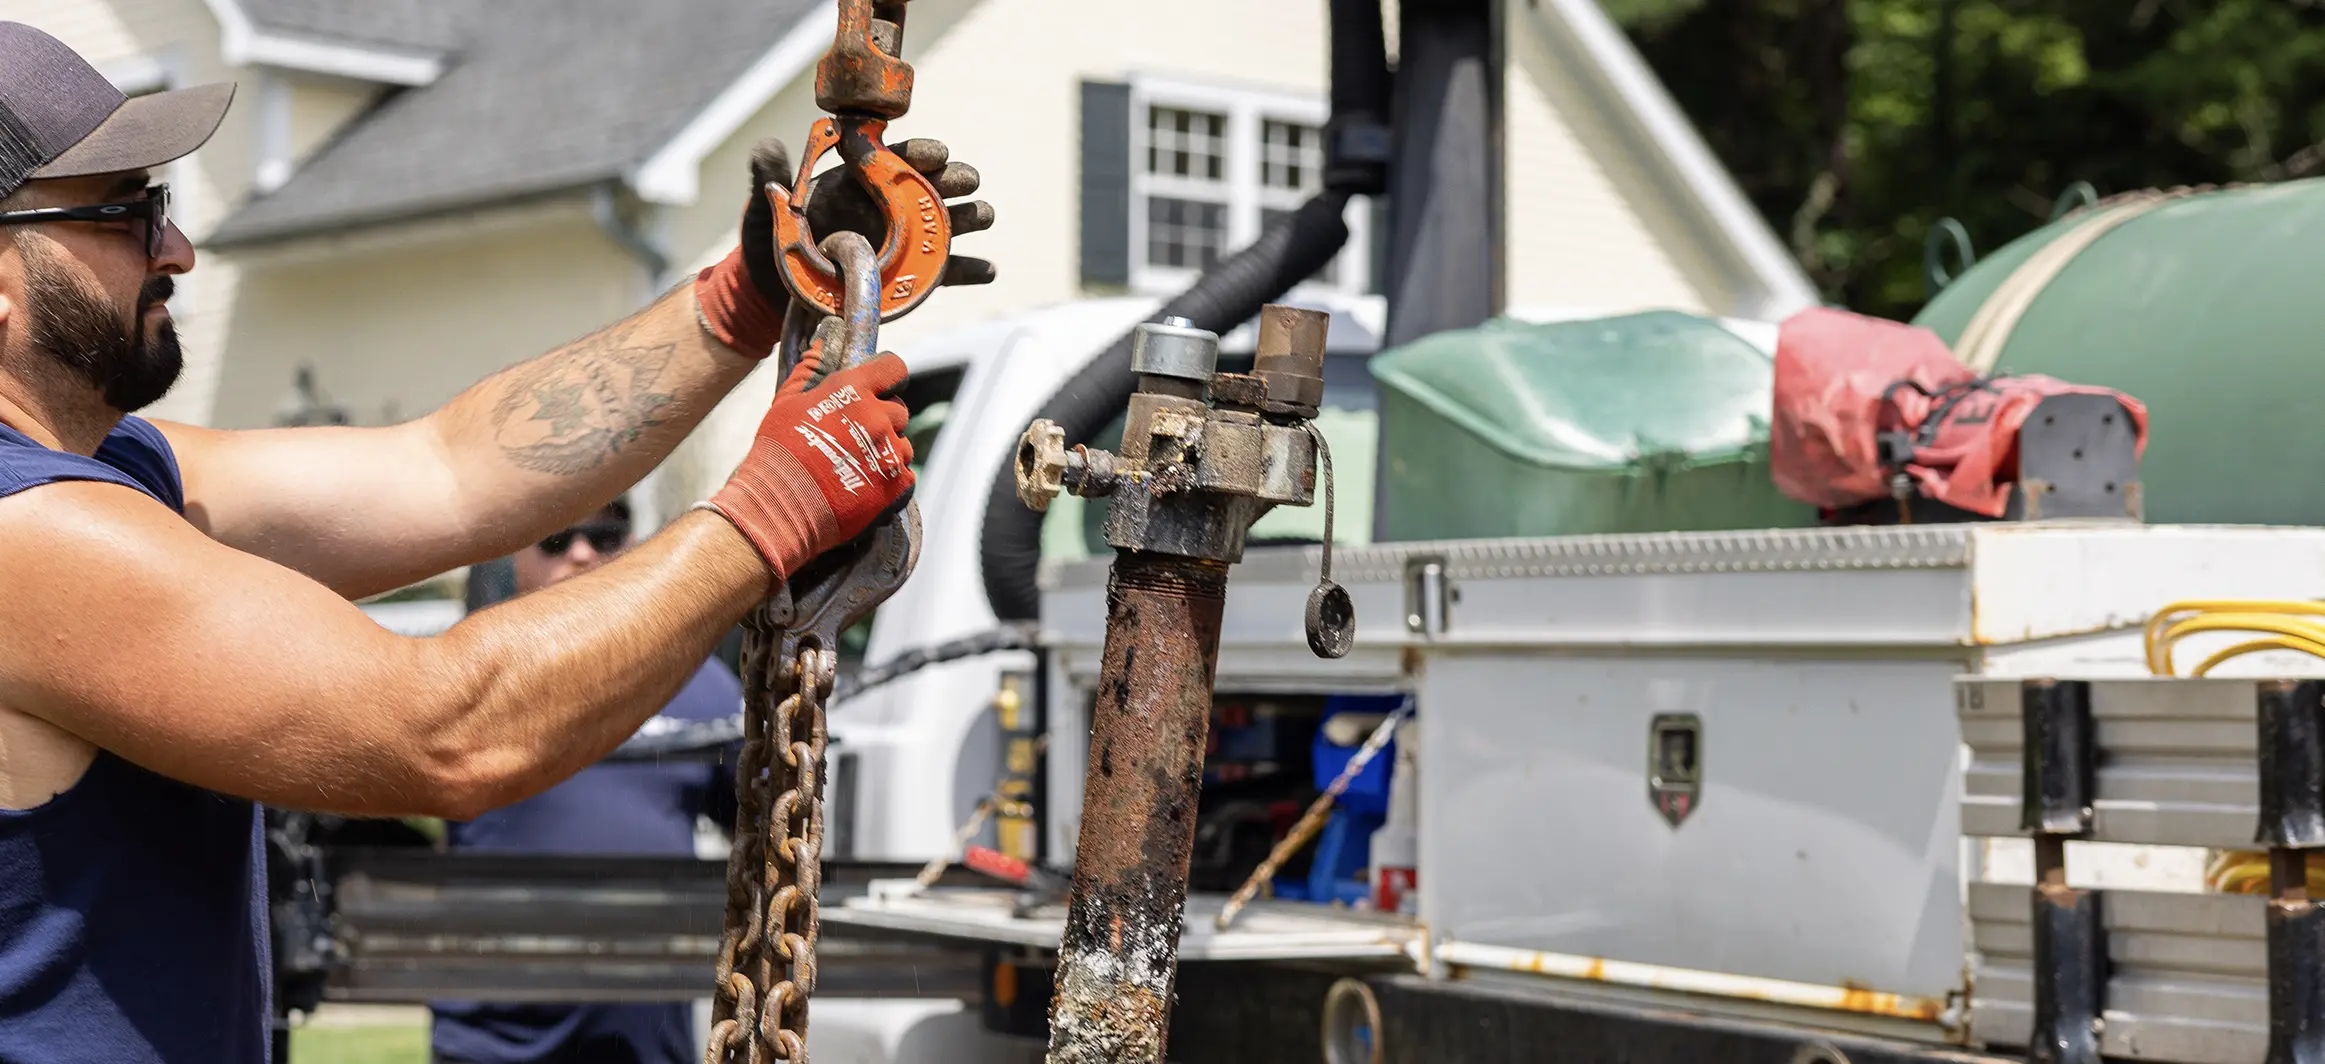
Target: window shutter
(1105,184)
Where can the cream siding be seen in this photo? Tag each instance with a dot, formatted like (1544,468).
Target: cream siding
(320,106)
(1013,110)
(1664,190)
(1582,225)
(1572,239)
(396,330)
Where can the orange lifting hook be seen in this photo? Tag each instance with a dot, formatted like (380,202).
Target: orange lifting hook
(863,85)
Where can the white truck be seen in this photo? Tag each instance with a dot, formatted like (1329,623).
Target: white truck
(1681,796)
(1676,790)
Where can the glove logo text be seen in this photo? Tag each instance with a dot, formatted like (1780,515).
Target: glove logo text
(833,403)
(844,466)
(880,454)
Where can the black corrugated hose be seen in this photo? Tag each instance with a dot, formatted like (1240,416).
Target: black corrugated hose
(1227,295)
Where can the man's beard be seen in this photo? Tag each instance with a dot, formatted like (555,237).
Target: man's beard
(84,332)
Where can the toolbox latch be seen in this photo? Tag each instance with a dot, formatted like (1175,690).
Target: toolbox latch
(1675,764)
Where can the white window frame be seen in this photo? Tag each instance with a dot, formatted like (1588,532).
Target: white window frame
(271,137)
(1247,108)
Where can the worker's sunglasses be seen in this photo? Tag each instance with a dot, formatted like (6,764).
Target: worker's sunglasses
(605,539)
(153,210)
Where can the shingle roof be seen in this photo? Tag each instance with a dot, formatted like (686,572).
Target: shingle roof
(426,25)
(540,96)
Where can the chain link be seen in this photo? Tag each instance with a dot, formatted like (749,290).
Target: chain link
(766,964)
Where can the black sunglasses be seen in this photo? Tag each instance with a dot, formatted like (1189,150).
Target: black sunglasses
(153,210)
(605,539)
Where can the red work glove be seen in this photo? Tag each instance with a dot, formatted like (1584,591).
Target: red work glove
(827,460)
(742,298)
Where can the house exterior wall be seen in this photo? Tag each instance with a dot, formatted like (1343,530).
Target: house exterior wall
(320,106)
(1573,237)
(1012,107)
(702,233)
(397,324)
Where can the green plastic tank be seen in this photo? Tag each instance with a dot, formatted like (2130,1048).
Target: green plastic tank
(1644,423)
(2211,310)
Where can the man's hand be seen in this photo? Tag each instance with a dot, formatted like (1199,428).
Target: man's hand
(754,326)
(828,459)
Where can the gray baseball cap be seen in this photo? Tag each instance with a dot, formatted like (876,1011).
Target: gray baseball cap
(59,117)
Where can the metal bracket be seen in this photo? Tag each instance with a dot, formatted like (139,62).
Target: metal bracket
(1428,596)
(2296,980)
(2292,823)
(2070,976)
(2058,774)
(2292,764)
(2059,782)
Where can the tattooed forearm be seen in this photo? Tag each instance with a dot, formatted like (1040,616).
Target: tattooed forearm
(571,412)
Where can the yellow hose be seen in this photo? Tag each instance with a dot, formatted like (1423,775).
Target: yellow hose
(2282,625)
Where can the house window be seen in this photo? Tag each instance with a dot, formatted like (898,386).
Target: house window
(1184,232)
(1291,156)
(1183,143)
(1212,167)
(1187,190)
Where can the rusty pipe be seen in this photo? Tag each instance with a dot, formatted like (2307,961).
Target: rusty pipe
(1119,957)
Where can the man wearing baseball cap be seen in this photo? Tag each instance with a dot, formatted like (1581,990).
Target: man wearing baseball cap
(181,644)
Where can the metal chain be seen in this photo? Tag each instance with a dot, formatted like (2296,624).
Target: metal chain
(766,964)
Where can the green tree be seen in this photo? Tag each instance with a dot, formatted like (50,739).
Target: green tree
(1854,125)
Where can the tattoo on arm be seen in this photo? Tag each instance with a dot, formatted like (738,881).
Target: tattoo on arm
(568,413)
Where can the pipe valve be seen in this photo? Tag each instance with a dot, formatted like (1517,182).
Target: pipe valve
(1041,465)
(1204,453)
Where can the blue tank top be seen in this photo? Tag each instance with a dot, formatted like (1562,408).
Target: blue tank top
(641,808)
(132,906)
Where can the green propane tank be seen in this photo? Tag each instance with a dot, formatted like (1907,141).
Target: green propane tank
(2208,307)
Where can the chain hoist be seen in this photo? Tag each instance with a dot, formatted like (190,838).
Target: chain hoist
(842,290)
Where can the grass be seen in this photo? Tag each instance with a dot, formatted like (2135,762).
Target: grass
(359,1045)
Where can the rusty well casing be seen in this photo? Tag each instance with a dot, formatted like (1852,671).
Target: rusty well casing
(1204,454)
(1119,957)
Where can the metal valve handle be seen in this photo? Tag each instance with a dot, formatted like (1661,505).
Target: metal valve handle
(1331,619)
